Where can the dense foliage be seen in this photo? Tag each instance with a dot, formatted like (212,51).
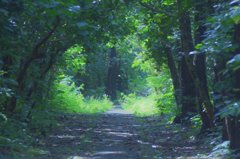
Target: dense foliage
(178,58)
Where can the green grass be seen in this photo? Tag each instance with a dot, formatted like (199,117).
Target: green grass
(140,106)
(96,105)
(69,99)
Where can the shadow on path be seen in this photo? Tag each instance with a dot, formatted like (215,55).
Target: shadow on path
(117,134)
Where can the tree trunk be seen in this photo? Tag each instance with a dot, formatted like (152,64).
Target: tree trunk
(233,131)
(202,10)
(189,105)
(30,104)
(113,73)
(234,125)
(201,71)
(195,83)
(26,65)
(175,77)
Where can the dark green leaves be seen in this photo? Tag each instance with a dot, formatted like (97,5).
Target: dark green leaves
(232,109)
(3,11)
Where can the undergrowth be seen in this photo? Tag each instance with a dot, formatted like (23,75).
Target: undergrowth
(140,106)
(19,139)
(149,106)
(68,98)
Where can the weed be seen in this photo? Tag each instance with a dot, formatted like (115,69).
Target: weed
(141,106)
(68,98)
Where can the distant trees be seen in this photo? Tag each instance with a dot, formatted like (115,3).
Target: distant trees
(113,74)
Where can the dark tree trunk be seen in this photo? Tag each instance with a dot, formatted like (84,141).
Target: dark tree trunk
(22,74)
(175,76)
(201,71)
(7,62)
(35,85)
(113,75)
(189,105)
(194,82)
(220,94)
(233,130)
(234,122)
(231,124)
(237,52)
(202,10)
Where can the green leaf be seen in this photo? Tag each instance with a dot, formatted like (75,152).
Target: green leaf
(198,46)
(168,2)
(235,14)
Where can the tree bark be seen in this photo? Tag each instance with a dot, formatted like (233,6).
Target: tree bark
(189,105)
(231,124)
(35,85)
(113,73)
(202,10)
(234,122)
(175,76)
(26,64)
(187,62)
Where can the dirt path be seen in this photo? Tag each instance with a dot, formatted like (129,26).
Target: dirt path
(119,135)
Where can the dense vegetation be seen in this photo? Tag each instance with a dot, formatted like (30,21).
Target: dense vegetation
(176,58)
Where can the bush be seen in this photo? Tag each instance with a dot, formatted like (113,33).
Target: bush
(68,98)
(141,106)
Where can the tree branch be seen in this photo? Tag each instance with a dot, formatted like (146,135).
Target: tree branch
(35,52)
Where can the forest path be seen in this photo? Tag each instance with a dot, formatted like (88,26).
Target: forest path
(117,134)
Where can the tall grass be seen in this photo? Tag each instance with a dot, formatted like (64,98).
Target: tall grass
(140,106)
(68,98)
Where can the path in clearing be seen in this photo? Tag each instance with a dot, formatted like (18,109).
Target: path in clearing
(119,135)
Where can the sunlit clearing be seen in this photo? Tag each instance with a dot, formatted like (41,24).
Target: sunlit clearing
(140,106)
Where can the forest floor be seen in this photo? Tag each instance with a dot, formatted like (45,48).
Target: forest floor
(119,135)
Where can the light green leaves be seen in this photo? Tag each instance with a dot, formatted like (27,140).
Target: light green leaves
(198,46)
(75,61)
(168,2)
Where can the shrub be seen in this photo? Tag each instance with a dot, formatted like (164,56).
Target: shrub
(141,106)
(68,98)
